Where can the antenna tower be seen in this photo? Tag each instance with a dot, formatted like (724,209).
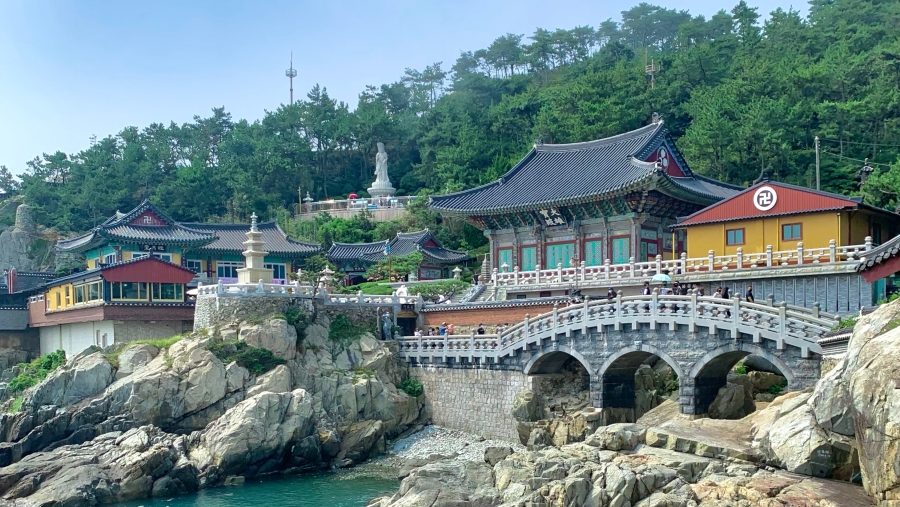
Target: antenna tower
(291,73)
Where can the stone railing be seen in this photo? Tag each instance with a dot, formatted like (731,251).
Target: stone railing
(586,276)
(251,289)
(363,203)
(785,325)
(295,290)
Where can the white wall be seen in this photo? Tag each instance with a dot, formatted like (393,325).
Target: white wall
(74,338)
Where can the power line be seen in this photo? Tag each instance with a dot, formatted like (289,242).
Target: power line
(856,159)
(838,141)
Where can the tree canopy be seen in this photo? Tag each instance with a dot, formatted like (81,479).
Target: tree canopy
(742,96)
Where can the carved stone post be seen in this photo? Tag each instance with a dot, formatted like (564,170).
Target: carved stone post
(711,260)
(799,253)
(832,251)
(768,256)
(740,258)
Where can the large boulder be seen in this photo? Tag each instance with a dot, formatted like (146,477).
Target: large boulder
(136,357)
(85,375)
(763,381)
(871,374)
(617,437)
(734,400)
(252,436)
(276,381)
(275,335)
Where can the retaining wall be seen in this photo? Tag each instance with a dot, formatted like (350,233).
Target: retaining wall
(473,400)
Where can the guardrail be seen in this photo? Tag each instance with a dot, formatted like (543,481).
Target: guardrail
(584,275)
(783,324)
(364,203)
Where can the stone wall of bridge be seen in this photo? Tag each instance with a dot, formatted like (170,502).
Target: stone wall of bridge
(478,401)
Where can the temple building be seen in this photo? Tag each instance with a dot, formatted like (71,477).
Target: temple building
(144,297)
(211,251)
(564,204)
(355,258)
(782,217)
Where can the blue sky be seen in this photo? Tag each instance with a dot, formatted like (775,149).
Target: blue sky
(72,69)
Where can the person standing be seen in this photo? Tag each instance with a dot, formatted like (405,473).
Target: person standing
(480,329)
(748,296)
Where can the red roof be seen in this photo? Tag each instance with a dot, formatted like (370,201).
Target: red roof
(788,200)
(147,269)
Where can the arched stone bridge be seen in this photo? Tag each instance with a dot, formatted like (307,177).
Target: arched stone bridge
(701,338)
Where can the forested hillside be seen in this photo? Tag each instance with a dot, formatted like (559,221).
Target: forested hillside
(741,95)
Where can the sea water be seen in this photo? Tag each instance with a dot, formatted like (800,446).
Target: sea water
(345,488)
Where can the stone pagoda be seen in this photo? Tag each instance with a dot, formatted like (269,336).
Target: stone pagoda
(253,270)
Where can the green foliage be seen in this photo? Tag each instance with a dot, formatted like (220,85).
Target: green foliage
(412,387)
(890,299)
(363,373)
(255,359)
(395,268)
(37,370)
(371,288)
(298,319)
(776,389)
(741,96)
(740,369)
(343,330)
(441,288)
(15,405)
(846,323)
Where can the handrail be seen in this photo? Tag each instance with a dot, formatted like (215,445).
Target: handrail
(785,326)
(583,275)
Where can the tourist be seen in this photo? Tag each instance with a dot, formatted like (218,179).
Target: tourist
(442,329)
(748,296)
(480,329)
(700,291)
(417,333)
(718,293)
(646,290)
(611,293)
(450,329)
(432,331)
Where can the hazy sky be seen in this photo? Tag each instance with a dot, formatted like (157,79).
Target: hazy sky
(72,69)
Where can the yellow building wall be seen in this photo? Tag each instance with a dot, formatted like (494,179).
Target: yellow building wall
(817,229)
(64,301)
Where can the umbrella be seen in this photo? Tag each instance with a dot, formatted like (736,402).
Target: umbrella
(661,278)
(352,196)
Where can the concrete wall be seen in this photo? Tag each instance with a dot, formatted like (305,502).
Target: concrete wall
(473,400)
(73,338)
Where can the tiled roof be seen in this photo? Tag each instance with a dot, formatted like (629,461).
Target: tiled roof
(560,174)
(881,253)
(118,227)
(402,244)
(230,237)
(791,200)
(88,273)
(25,281)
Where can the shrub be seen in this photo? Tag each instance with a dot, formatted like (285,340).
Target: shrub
(740,369)
(298,319)
(256,360)
(846,323)
(16,405)
(36,371)
(442,288)
(412,387)
(776,389)
(342,329)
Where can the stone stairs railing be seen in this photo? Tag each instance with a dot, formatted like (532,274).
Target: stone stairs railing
(296,290)
(785,325)
(586,276)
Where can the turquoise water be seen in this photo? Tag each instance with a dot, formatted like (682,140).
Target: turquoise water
(332,489)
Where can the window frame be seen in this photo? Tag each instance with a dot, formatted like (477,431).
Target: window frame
(743,236)
(273,266)
(156,289)
(799,236)
(199,263)
(118,295)
(233,265)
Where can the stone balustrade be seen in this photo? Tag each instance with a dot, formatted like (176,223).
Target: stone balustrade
(296,290)
(782,324)
(637,272)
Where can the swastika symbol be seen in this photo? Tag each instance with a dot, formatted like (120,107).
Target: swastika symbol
(765,198)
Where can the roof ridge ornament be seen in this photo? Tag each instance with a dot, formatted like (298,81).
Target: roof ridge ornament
(253,224)
(656,118)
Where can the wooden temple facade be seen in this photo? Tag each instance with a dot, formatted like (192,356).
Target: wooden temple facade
(563,204)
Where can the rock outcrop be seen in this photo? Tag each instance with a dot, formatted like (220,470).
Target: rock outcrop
(180,418)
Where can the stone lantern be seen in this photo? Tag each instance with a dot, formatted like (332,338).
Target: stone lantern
(326,278)
(456,273)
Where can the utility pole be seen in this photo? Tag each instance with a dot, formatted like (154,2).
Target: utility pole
(818,179)
(291,73)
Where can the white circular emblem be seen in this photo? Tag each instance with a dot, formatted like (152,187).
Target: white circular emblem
(662,156)
(765,198)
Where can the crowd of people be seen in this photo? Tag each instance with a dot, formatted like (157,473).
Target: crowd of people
(445,329)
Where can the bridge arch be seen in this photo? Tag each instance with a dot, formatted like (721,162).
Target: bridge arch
(709,373)
(616,381)
(540,362)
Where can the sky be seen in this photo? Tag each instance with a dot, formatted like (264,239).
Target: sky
(72,69)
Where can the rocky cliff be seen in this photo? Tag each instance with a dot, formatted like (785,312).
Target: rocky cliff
(25,247)
(117,425)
